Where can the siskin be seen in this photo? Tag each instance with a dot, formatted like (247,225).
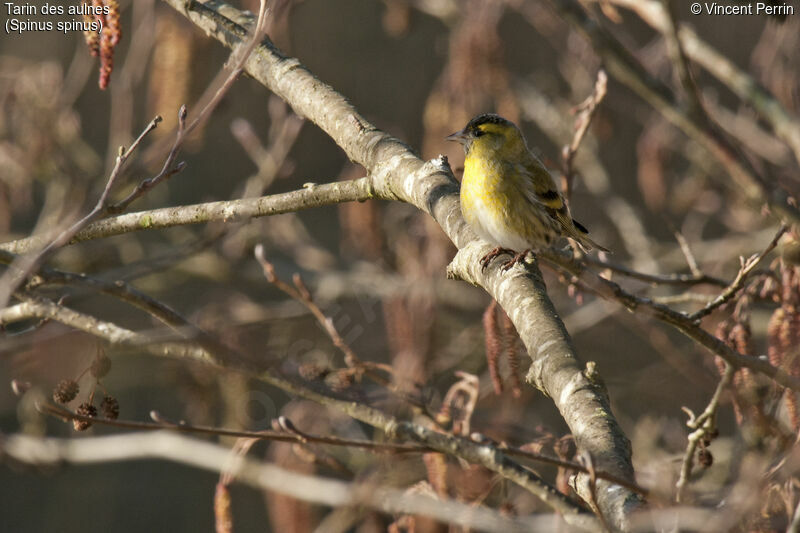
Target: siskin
(508,197)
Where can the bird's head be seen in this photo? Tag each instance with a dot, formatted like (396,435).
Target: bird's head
(489,135)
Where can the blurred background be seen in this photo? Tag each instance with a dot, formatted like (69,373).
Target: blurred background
(418,69)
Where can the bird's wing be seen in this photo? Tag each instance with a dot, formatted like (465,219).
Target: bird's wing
(538,185)
(540,189)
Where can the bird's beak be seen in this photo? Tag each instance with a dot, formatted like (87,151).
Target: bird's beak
(459,137)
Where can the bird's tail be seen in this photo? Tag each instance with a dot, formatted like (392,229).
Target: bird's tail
(575,230)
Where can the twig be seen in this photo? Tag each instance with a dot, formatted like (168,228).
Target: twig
(703,426)
(585,111)
(658,279)
(747,266)
(118,289)
(577,467)
(301,293)
(215,458)
(36,307)
(295,435)
(238,58)
(623,65)
(168,169)
(681,63)
(784,123)
(682,322)
(281,436)
(591,480)
(24,266)
(685,297)
(687,253)
(283,132)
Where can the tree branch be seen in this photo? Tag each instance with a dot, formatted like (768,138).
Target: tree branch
(41,308)
(24,266)
(215,458)
(486,454)
(397,173)
(297,436)
(736,285)
(680,321)
(624,66)
(224,211)
(785,124)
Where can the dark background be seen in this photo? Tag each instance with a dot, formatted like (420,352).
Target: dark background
(389,76)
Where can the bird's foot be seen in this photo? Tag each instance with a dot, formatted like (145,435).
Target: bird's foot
(517,258)
(486,259)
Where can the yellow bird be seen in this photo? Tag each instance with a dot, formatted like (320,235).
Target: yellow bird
(507,195)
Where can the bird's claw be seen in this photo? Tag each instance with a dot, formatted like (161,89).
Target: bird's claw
(486,259)
(517,258)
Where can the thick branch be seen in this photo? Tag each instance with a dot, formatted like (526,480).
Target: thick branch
(397,173)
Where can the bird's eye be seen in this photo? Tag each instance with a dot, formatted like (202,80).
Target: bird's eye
(478,132)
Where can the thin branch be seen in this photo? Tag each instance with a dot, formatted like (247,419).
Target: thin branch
(682,322)
(585,111)
(657,279)
(485,454)
(41,308)
(224,211)
(239,58)
(577,467)
(784,123)
(24,266)
(691,260)
(280,436)
(685,297)
(703,426)
(302,437)
(301,293)
(118,289)
(736,285)
(169,169)
(681,63)
(591,489)
(215,458)
(624,66)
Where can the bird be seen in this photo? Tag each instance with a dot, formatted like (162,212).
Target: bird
(508,196)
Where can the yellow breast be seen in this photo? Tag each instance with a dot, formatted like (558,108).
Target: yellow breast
(494,205)
(490,205)
(483,188)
